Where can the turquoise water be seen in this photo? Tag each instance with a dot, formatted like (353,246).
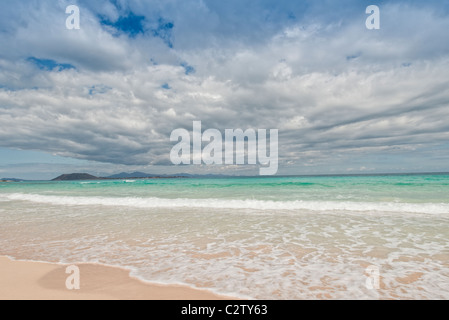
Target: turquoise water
(407,189)
(265,238)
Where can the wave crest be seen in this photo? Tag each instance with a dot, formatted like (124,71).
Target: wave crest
(429,208)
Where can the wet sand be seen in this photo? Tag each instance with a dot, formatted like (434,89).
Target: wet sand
(44,281)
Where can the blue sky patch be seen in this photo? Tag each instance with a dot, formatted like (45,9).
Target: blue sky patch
(50,65)
(188,69)
(132,24)
(165,31)
(98,89)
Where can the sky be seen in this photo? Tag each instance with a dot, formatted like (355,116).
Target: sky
(105,98)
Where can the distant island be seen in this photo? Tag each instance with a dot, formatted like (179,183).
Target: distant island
(120,176)
(76,177)
(123,175)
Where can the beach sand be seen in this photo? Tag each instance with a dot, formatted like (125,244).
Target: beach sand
(44,281)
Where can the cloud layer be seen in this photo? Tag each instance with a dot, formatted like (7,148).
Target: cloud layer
(343,97)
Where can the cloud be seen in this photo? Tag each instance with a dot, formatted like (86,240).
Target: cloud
(341,96)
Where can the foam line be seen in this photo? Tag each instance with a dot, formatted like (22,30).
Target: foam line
(429,208)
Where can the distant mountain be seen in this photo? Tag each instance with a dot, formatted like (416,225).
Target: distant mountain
(126,175)
(75,177)
(142,175)
(133,175)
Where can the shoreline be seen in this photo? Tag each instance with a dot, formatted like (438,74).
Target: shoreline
(27,280)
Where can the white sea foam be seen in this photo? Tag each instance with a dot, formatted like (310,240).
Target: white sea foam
(323,206)
(258,269)
(267,256)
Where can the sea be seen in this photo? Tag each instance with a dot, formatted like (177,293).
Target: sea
(312,237)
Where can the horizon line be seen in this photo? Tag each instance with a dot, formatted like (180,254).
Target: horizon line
(211,175)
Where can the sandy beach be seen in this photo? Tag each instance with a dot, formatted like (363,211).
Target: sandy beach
(44,281)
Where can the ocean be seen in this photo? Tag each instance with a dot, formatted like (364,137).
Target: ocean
(259,238)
